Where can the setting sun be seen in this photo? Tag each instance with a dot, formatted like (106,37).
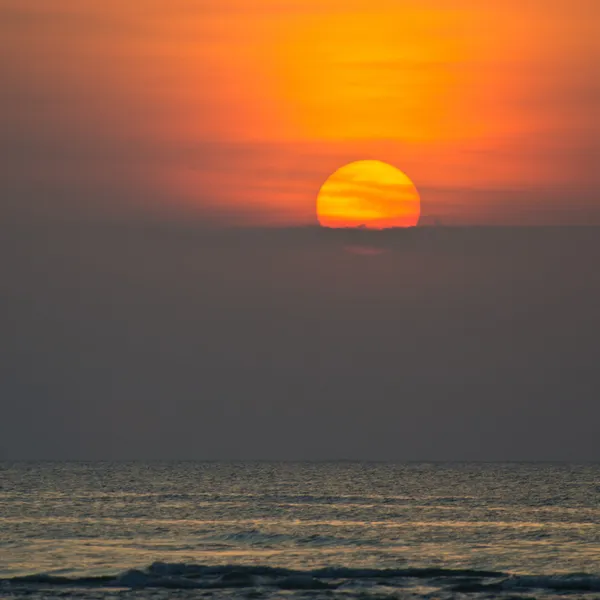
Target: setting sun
(368,193)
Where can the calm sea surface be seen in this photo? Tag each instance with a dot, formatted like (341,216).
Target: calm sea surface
(157,528)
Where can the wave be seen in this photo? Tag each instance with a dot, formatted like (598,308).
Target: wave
(250,536)
(192,576)
(256,537)
(577,582)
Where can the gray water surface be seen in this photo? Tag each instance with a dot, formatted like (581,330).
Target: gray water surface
(101,519)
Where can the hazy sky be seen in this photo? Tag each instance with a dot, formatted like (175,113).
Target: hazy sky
(136,323)
(149,341)
(237,112)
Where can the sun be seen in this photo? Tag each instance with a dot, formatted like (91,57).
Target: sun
(370,194)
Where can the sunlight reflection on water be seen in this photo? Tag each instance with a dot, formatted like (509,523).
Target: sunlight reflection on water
(101,518)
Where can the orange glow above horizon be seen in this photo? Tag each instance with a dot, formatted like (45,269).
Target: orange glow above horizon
(370,75)
(237,112)
(368,193)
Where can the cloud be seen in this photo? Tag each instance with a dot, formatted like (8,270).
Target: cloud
(171,341)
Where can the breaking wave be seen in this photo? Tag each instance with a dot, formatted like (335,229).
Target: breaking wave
(192,576)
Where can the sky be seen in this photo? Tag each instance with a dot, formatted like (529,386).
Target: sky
(236,113)
(166,291)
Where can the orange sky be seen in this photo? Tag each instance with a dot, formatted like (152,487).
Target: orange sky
(237,111)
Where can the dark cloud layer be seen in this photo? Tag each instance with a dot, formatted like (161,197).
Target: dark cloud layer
(169,341)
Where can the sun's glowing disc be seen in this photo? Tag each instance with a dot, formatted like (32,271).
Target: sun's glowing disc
(368,193)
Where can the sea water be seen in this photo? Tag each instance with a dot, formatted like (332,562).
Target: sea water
(267,530)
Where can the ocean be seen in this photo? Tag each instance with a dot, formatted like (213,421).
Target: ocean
(340,530)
